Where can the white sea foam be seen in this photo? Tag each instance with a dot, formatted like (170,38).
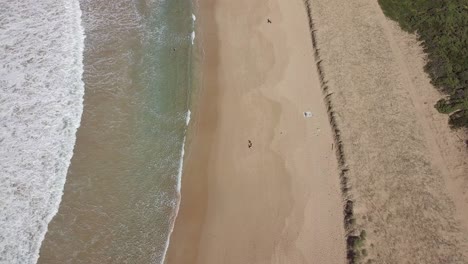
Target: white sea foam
(179,185)
(189,115)
(194,18)
(41,101)
(182,153)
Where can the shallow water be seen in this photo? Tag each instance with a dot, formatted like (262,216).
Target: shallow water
(122,186)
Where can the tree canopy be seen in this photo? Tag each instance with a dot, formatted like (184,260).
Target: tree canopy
(442,25)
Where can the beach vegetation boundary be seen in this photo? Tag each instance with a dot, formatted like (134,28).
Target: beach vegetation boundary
(442,26)
(355,239)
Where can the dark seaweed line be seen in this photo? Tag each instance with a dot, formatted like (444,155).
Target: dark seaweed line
(342,165)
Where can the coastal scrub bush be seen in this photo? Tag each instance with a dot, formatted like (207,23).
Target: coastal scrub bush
(356,250)
(442,25)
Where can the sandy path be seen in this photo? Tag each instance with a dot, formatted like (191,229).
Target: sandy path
(446,147)
(279,201)
(407,171)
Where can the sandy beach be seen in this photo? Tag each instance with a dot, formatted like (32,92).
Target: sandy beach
(278,201)
(402,168)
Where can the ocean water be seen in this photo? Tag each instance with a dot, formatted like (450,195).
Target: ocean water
(122,185)
(41,101)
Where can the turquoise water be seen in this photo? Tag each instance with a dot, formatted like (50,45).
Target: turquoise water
(121,193)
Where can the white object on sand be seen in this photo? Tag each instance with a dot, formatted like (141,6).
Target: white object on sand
(307,114)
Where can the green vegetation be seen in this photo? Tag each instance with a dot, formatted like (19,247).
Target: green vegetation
(443,27)
(356,251)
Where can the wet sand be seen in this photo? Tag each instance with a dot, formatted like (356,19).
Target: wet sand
(278,201)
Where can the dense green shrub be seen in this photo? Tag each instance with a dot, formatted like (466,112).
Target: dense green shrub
(443,27)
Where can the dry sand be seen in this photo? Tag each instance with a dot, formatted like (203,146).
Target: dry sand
(407,171)
(279,201)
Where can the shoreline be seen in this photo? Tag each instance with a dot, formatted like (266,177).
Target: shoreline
(123,179)
(289,176)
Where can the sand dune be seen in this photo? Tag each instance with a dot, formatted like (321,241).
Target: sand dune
(407,172)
